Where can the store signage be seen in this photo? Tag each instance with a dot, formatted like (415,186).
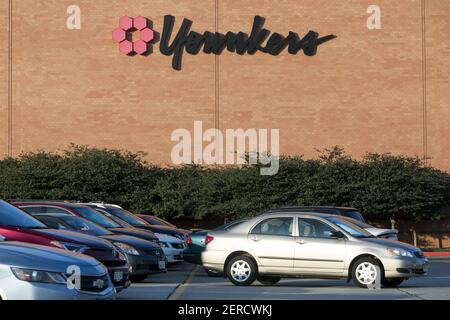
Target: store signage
(193,42)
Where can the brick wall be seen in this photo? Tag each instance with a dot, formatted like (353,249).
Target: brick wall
(429,233)
(363,90)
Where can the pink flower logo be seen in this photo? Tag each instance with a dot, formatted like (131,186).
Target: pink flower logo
(124,35)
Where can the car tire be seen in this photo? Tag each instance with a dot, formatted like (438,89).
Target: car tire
(364,272)
(242,270)
(268,280)
(213,273)
(392,282)
(138,278)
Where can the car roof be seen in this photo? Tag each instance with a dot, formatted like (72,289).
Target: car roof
(273,214)
(63,204)
(315,207)
(297,212)
(100,204)
(40,202)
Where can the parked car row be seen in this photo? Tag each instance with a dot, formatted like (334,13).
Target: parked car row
(73,250)
(109,252)
(306,242)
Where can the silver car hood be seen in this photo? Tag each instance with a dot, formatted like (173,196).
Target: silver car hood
(391,243)
(37,257)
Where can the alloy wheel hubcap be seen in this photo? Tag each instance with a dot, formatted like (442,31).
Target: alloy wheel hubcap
(366,273)
(240,271)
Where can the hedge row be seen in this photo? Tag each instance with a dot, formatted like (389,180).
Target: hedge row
(379,184)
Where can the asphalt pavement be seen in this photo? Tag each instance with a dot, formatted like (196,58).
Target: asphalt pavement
(188,282)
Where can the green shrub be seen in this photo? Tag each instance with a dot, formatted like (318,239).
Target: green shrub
(381,185)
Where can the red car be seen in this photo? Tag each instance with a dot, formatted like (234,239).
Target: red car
(17,225)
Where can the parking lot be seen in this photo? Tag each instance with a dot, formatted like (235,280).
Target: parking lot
(188,282)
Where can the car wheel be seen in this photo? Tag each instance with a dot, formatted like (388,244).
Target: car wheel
(365,272)
(268,280)
(213,273)
(392,282)
(241,270)
(138,278)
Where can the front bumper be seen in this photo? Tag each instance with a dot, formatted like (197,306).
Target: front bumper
(145,264)
(174,255)
(14,289)
(400,267)
(120,276)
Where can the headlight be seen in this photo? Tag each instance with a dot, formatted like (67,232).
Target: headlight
(164,244)
(75,247)
(400,252)
(39,276)
(127,248)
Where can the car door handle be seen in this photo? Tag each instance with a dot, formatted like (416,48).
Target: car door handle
(301,241)
(255,239)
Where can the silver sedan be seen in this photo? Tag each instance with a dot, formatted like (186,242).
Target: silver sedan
(33,272)
(294,244)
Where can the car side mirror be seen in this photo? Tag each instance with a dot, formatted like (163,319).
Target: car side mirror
(2,238)
(337,235)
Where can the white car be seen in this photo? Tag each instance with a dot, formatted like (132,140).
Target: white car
(173,247)
(286,244)
(34,272)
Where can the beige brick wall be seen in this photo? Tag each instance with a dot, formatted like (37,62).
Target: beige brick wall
(362,90)
(438,82)
(3,77)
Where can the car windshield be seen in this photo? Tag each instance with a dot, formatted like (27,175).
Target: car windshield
(81,224)
(153,221)
(164,222)
(14,217)
(354,215)
(95,217)
(126,216)
(350,228)
(121,223)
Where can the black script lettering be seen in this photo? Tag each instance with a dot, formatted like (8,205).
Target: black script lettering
(214,42)
(176,48)
(275,44)
(257,36)
(239,43)
(194,42)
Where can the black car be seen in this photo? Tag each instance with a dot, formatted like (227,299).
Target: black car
(87,213)
(111,210)
(340,211)
(145,257)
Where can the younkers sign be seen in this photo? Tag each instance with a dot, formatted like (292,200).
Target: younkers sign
(192,42)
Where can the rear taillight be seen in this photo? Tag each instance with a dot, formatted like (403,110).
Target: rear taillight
(188,240)
(208,239)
